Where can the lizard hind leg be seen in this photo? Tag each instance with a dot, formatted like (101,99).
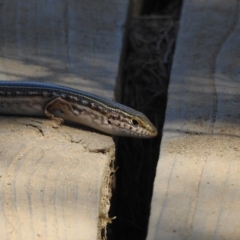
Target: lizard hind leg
(57,105)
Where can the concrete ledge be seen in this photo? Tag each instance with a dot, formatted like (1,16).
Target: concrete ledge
(197,184)
(56,182)
(51,180)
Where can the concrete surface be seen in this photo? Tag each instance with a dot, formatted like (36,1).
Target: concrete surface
(56,181)
(51,180)
(197,186)
(68,42)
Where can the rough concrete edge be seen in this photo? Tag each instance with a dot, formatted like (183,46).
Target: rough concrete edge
(108,184)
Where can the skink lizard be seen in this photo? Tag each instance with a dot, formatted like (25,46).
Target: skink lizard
(67,104)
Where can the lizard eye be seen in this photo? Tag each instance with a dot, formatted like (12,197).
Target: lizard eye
(134,122)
